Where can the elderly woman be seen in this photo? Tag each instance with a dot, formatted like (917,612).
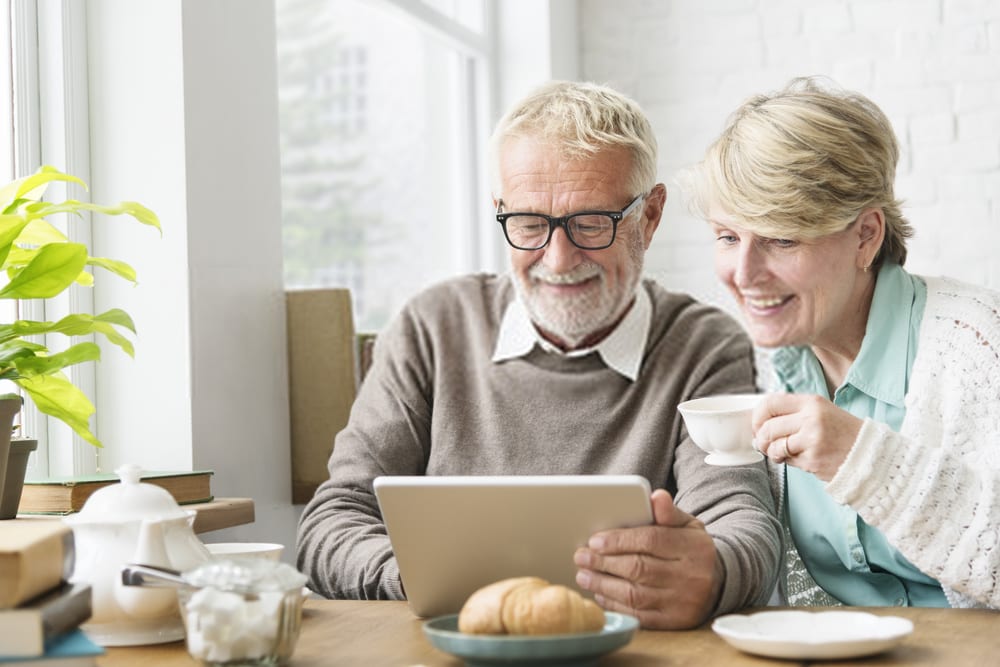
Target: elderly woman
(885,425)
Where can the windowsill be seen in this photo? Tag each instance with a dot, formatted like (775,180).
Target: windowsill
(213,515)
(222,513)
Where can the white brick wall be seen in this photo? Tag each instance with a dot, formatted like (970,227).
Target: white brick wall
(932,65)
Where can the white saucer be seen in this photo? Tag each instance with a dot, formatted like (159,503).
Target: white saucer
(717,459)
(806,635)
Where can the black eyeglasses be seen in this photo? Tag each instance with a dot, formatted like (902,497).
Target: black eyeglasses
(587,230)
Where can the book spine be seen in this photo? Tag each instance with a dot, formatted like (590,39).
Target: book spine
(38,568)
(26,630)
(68,495)
(66,611)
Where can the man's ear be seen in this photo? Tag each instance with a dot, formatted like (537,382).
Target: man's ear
(653,211)
(871,233)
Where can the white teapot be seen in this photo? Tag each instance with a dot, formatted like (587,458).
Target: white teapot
(133,522)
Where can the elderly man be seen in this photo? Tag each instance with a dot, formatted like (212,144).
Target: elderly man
(569,365)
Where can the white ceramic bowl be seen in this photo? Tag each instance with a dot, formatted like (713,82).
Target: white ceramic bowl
(721,425)
(257,549)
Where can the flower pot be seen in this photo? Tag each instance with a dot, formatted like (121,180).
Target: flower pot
(13,459)
(13,482)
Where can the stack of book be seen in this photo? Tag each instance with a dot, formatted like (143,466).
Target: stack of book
(65,495)
(40,611)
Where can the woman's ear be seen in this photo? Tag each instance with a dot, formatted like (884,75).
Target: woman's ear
(871,233)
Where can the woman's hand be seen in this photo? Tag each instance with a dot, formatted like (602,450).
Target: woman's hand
(806,431)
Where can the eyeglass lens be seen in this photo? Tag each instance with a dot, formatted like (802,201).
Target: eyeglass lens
(587,231)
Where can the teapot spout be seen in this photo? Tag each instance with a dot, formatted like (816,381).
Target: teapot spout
(150,550)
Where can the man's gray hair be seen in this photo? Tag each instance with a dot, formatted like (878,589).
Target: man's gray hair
(579,120)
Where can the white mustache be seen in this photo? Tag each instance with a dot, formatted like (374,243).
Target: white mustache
(578,275)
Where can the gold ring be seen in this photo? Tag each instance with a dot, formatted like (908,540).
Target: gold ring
(785,446)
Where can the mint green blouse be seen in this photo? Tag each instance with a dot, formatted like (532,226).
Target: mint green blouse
(850,559)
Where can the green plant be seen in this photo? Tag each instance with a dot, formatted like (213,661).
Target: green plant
(40,263)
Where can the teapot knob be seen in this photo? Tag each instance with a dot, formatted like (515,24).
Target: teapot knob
(151,550)
(129,473)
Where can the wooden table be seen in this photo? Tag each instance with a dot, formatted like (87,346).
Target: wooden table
(371,634)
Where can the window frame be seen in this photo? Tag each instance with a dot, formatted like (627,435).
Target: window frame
(49,125)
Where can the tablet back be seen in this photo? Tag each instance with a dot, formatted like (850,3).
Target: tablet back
(453,535)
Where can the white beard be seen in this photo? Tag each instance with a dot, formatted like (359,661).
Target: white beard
(572,319)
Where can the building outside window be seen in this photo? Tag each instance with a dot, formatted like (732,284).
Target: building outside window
(383,113)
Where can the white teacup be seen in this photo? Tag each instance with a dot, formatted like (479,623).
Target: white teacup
(256,549)
(721,425)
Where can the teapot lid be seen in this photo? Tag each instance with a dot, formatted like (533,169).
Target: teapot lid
(128,501)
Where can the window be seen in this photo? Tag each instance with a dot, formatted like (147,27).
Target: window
(18,145)
(37,112)
(6,97)
(383,113)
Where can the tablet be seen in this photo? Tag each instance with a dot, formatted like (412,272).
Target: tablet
(452,535)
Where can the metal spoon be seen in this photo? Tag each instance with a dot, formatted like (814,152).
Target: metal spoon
(137,574)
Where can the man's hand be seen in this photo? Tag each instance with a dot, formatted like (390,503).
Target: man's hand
(667,575)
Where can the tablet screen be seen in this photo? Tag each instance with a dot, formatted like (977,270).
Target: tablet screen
(453,535)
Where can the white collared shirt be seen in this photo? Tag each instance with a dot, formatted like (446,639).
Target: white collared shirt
(621,350)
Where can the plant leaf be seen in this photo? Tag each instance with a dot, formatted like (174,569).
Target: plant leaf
(53,363)
(20,256)
(40,232)
(114,266)
(85,278)
(41,263)
(78,324)
(33,328)
(119,317)
(45,175)
(32,187)
(12,351)
(114,337)
(18,343)
(134,209)
(51,271)
(11,227)
(56,396)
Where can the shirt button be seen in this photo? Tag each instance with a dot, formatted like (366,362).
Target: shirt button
(900,602)
(858,558)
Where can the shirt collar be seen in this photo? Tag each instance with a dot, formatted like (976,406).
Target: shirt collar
(621,350)
(885,347)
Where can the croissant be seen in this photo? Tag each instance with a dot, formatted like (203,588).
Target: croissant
(528,606)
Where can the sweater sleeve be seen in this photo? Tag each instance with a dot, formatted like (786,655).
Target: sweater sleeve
(343,546)
(735,503)
(939,508)
(933,488)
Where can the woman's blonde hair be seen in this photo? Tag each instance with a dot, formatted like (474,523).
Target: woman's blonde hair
(803,163)
(581,119)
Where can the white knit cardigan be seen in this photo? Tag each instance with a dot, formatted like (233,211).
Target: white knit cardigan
(933,489)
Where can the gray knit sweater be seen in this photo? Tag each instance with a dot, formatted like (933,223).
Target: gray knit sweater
(435,403)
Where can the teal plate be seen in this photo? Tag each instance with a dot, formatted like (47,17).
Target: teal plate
(580,650)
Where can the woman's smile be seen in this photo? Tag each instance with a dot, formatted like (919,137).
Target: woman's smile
(765,305)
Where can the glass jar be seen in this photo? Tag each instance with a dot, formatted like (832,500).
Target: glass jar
(242,611)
